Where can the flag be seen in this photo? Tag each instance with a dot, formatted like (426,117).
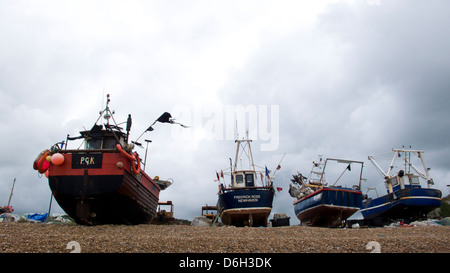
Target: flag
(279,189)
(166,117)
(129,123)
(278,167)
(221,173)
(349,168)
(218,178)
(267,172)
(96,132)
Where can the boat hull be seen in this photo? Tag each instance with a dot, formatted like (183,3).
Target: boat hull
(328,207)
(406,204)
(245,206)
(105,193)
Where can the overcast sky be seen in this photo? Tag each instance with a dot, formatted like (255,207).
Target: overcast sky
(345,79)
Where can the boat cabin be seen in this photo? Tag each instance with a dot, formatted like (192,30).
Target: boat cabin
(402,181)
(105,136)
(243,179)
(97,138)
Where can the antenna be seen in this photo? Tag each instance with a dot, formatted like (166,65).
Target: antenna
(145,160)
(107,116)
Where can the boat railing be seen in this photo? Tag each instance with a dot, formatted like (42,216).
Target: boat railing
(69,151)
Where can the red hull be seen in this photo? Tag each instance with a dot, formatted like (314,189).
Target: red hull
(94,188)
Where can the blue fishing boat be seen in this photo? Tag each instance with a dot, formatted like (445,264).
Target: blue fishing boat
(323,205)
(245,201)
(406,199)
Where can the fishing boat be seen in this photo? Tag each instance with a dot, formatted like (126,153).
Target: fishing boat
(245,201)
(8,208)
(102,181)
(406,199)
(322,205)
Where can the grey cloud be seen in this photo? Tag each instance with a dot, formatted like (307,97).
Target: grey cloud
(355,80)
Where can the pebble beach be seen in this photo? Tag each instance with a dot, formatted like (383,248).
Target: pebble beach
(17,237)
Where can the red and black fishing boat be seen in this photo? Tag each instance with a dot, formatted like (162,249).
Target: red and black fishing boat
(102,183)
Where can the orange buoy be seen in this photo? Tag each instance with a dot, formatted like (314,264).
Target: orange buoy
(43,164)
(133,157)
(136,167)
(57,159)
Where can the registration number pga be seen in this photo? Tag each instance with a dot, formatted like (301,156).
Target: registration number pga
(87,161)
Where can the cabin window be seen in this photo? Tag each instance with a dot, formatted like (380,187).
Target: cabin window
(239,178)
(414,180)
(249,180)
(94,144)
(394,181)
(109,143)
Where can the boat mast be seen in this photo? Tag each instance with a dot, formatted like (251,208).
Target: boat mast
(396,153)
(108,113)
(407,160)
(14,183)
(425,175)
(323,173)
(249,154)
(428,178)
